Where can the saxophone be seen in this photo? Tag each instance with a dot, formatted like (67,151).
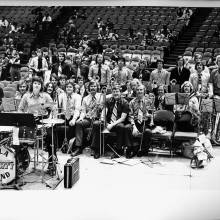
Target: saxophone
(95,113)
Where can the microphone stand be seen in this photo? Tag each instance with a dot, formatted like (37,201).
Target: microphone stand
(65,141)
(102,135)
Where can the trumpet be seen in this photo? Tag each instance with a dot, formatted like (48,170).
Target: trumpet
(97,78)
(95,113)
(173,82)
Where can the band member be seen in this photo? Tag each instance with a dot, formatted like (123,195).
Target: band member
(141,123)
(33,102)
(54,80)
(116,117)
(180,73)
(121,73)
(22,88)
(200,79)
(187,117)
(131,91)
(80,68)
(70,103)
(49,88)
(141,72)
(62,81)
(92,105)
(39,64)
(81,87)
(100,71)
(160,98)
(61,67)
(214,81)
(159,76)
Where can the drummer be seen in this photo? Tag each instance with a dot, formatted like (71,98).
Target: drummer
(33,102)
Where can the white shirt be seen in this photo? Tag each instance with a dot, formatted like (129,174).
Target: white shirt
(85,109)
(75,103)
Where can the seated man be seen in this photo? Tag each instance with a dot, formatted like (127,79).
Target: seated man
(70,104)
(89,118)
(141,122)
(116,117)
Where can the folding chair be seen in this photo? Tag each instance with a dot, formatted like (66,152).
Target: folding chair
(164,118)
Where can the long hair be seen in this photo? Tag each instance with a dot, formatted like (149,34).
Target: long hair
(37,79)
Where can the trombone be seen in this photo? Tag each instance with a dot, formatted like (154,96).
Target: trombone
(95,113)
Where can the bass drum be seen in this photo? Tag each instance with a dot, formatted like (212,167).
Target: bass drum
(7,162)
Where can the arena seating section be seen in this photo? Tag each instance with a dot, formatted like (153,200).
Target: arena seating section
(204,41)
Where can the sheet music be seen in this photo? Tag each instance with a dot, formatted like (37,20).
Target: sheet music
(15,136)
(15,133)
(9,104)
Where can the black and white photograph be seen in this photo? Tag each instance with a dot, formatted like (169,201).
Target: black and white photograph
(110,110)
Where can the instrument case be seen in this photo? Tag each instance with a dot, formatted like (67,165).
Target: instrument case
(71,172)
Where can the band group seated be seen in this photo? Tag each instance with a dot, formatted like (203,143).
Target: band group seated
(117,100)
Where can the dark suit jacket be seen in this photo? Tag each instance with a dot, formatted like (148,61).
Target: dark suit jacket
(84,69)
(67,70)
(182,77)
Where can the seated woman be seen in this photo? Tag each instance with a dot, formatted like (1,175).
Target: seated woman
(189,115)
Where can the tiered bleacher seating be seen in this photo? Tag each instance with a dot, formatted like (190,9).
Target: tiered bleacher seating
(206,42)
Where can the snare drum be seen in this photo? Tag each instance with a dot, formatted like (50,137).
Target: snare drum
(27,135)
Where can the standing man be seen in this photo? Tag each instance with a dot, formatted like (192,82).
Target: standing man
(100,71)
(39,64)
(180,73)
(121,73)
(159,76)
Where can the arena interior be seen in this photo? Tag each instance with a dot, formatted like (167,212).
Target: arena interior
(111,102)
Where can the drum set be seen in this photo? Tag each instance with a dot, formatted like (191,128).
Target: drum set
(16,141)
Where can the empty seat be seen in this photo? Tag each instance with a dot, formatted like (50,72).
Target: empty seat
(146,54)
(191,49)
(187,53)
(137,53)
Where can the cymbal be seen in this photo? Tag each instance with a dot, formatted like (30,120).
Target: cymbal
(52,121)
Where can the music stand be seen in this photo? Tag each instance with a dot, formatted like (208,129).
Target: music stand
(206,105)
(175,88)
(182,98)
(9,104)
(217,104)
(17,119)
(170,98)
